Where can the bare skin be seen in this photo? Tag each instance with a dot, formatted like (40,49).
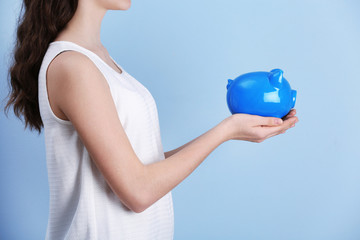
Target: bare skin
(75,83)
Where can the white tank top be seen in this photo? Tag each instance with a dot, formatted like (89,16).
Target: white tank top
(82,205)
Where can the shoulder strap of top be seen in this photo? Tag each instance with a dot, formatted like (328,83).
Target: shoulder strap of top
(55,48)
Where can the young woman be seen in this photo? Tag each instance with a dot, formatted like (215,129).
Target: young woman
(108,175)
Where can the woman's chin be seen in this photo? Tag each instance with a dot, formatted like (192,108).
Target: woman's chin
(125,5)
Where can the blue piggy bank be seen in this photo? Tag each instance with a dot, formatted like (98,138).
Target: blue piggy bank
(267,94)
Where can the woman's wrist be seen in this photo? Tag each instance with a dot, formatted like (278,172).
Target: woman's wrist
(225,132)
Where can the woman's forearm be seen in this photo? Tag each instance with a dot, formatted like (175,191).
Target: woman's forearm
(172,152)
(161,177)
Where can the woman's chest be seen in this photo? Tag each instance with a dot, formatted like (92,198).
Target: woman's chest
(135,104)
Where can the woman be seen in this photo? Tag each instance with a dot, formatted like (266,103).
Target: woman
(108,175)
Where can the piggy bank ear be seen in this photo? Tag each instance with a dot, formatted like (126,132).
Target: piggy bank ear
(229,83)
(276,77)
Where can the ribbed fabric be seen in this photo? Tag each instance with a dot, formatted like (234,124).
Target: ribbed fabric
(82,205)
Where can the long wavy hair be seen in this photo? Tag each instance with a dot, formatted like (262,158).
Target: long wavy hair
(38,25)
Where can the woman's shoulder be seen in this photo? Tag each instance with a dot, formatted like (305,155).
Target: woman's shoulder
(69,65)
(69,77)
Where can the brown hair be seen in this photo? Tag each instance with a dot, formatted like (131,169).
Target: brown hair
(38,26)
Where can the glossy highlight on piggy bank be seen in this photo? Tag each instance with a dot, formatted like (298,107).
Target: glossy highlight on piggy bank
(267,94)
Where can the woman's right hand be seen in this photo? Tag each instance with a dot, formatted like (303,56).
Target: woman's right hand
(255,128)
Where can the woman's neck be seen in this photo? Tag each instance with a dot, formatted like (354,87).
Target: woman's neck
(85,26)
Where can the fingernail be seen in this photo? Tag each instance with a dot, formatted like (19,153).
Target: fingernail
(293,125)
(278,121)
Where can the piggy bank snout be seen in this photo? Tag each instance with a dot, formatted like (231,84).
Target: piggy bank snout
(293,98)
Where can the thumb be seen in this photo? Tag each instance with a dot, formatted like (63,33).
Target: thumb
(270,121)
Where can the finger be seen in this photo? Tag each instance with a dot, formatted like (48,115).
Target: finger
(288,116)
(272,131)
(291,120)
(269,121)
(281,131)
(291,113)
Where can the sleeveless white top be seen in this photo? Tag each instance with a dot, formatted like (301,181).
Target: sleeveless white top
(82,205)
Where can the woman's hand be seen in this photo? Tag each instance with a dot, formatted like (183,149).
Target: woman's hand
(255,128)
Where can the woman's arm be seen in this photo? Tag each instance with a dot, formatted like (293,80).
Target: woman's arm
(83,95)
(161,177)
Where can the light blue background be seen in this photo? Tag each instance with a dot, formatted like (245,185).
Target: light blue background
(302,185)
